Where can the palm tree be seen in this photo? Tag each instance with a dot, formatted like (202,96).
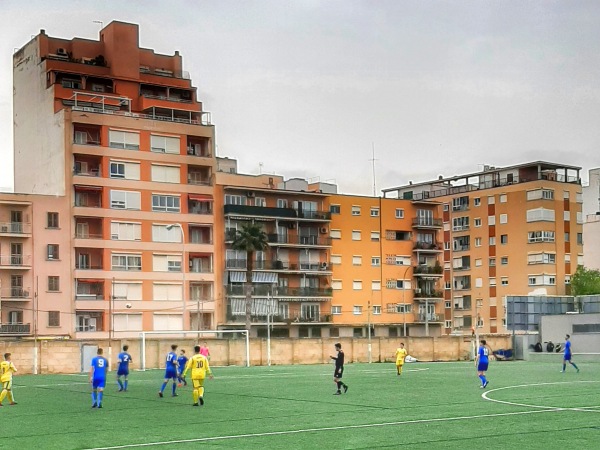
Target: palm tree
(250,238)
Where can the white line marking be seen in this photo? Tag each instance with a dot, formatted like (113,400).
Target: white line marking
(526,405)
(315,430)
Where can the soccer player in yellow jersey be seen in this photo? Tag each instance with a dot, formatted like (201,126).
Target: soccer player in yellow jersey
(200,368)
(7,368)
(400,357)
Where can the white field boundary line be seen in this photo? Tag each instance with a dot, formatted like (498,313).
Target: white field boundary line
(316,430)
(526,405)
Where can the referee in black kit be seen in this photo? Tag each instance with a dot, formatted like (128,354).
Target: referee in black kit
(339,370)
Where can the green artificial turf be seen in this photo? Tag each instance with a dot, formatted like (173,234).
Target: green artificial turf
(432,405)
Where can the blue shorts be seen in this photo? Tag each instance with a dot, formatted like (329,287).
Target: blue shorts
(99,383)
(171,373)
(482,367)
(122,372)
(567,357)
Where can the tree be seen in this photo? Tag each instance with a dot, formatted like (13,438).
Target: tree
(251,238)
(585,281)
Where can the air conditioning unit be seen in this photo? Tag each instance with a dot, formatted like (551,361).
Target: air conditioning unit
(417,291)
(457,305)
(323,265)
(249,194)
(323,230)
(62,52)
(291,225)
(4,229)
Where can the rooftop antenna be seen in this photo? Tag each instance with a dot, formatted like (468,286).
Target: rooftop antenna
(260,166)
(99,22)
(373,161)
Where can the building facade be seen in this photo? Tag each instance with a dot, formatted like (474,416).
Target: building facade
(507,231)
(118,132)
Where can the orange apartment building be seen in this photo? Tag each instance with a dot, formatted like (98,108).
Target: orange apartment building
(119,133)
(513,230)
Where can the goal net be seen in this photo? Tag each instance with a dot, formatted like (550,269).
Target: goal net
(227,347)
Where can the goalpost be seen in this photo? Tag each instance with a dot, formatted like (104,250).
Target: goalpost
(184,335)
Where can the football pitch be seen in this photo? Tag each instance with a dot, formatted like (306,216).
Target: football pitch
(432,405)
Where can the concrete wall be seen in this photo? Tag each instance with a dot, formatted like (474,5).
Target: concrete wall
(65,356)
(554,328)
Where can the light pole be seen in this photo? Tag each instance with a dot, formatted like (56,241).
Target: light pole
(183,263)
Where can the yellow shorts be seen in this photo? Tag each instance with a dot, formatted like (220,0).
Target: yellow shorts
(399,363)
(198,382)
(7,385)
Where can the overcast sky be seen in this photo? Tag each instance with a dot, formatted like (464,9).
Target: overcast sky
(307,88)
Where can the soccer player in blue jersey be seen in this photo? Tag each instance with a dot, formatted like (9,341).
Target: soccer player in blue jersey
(124,359)
(170,371)
(481,362)
(567,356)
(98,370)
(181,361)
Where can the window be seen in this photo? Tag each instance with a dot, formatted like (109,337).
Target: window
(52,220)
(492,240)
(125,200)
(460,223)
(282,203)
(491,220)
(166,174)
(54,318)
(356,235)
(542,258)
(492,282)
(504,238)
(335,234)
(504,260)
(566,195)
(540,215)
(399,213)
(503,218)
(504,281)
(376,310)
(543,280)
(503,198)
(334,209)
(128,291)
(579,238)
(123,139)
(52,253)
(160,233)
(567,216)
(336,310)
(448,323)
(357,260)
(540,236)
(53,284)
(125,231)
(567,237)
(446,207)
(375,261)
(126,262)
(375,236)
(235,200)
(477,242)
(374,212)
(491,200)
(124,170)
(166,263)
(357,310)
(165,144)
(357,285)
(336,285)
(166,203)
(477,222)
(447,304)
(260,201)
(128,322)
(492,262)
(403,308)
(336,259)
(477,201)
(168,322)
(538,194)
(478,282)
(478,262)
(356,210)
(376,285)
(460,203)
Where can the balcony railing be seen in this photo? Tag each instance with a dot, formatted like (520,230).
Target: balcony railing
(15,227)
(199,179)
(281,291)
(461,248)
(204,116)
(92,172)
(89,296)
(425,222)
(462,287)
(420,245)
(268,211)
(85,235)
(15,293)
(422,317)
(89,266)
(428,270)
(15,260)
(298,240)
(420,293)
(15,329)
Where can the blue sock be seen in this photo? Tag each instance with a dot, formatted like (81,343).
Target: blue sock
(93,397)
(162,388)
(174,387)
(100,397)
(125,384)
(573,364)
(564,367)
(120,383)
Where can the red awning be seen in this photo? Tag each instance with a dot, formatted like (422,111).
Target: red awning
(90,280)
(80,187)
(200,197)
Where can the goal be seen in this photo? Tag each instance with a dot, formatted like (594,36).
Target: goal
(146,339)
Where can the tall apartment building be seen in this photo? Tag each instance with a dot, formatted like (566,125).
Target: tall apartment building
(591,225)
(513,230)
(118,132)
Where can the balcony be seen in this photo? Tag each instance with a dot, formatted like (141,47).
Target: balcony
(280,291)
(424,294)
(260,211)
(86,135)
(426,222)
(15,329)
(14,228)
(199,179)
(312,240)
(15,293)
(15,262)
(196,205)
(427,246)
(87,168)
(198,147)
(88,197)
(315,215)
(461,248)
(423,270)
(427,318)
(88,228)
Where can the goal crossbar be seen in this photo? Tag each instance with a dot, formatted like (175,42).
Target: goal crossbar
(144,334)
